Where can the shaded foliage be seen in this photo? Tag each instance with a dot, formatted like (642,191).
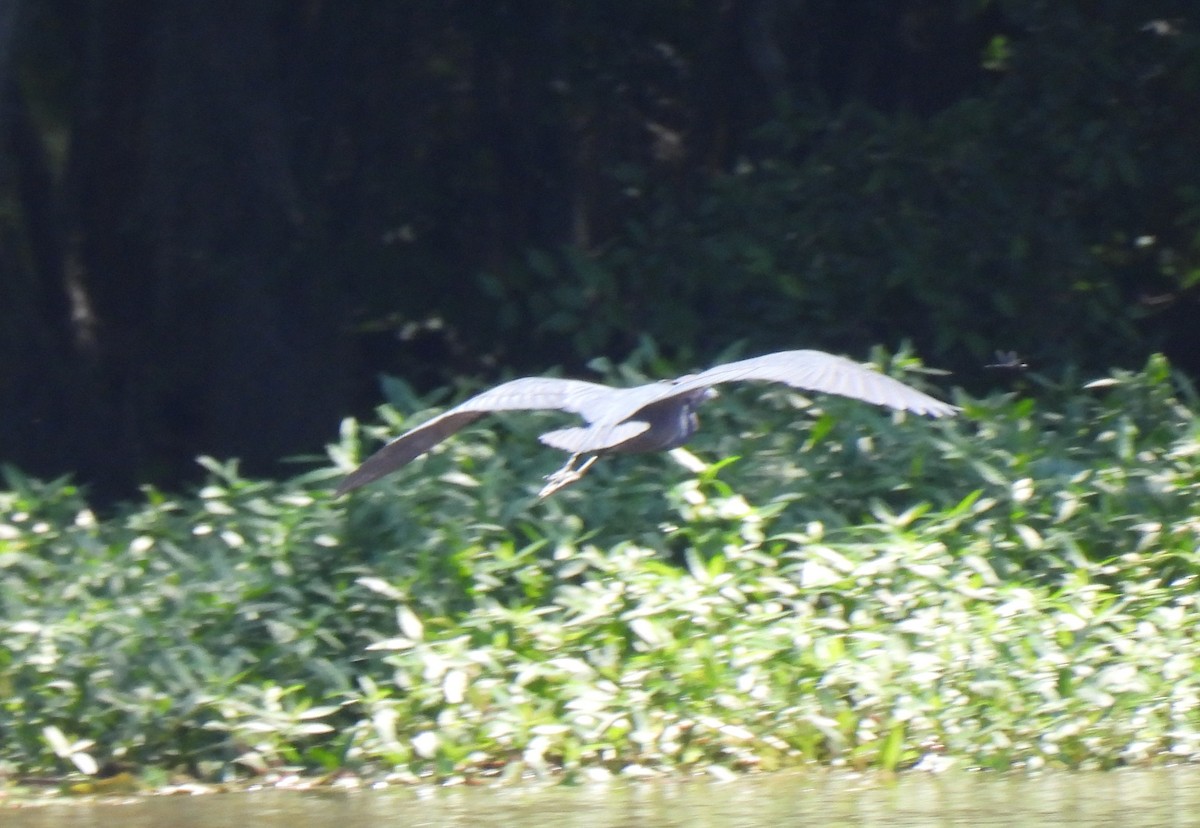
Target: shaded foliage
(219,222)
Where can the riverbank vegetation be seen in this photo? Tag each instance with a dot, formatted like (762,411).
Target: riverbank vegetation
(1012,588)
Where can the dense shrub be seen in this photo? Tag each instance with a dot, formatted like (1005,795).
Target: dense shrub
(1012,588)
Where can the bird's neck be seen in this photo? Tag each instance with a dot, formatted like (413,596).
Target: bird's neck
(689,420)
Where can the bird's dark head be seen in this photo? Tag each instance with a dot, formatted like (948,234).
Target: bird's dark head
(702,396)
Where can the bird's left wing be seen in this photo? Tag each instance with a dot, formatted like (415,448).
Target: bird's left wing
(819,371)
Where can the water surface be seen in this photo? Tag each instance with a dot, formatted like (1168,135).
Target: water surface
(1159,797)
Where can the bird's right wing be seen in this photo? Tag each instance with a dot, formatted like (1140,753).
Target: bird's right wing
(527,394)
(819,371)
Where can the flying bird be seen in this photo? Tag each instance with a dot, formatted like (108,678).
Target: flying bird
(652,417)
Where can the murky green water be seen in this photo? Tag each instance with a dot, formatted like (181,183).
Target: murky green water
(1165,797)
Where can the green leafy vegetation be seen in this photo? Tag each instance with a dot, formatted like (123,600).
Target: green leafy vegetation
(1013,588)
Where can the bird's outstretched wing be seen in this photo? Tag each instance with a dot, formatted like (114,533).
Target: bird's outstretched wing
(818,371)
(527,394)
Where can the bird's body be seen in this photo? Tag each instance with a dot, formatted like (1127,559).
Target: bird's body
(652,417)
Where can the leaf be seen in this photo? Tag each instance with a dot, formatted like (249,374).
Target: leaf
(410,624)
(892,750)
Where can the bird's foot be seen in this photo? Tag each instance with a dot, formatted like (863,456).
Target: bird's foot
(565,476)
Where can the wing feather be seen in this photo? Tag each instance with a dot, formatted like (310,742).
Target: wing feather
(818,371)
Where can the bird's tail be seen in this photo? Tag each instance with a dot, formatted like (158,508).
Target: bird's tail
(591,439)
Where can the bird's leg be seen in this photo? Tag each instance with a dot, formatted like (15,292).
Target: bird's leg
(567,475)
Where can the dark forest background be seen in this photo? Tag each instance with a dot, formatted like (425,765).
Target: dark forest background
(220,222)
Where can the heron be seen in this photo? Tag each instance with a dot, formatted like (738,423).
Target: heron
(652,417)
